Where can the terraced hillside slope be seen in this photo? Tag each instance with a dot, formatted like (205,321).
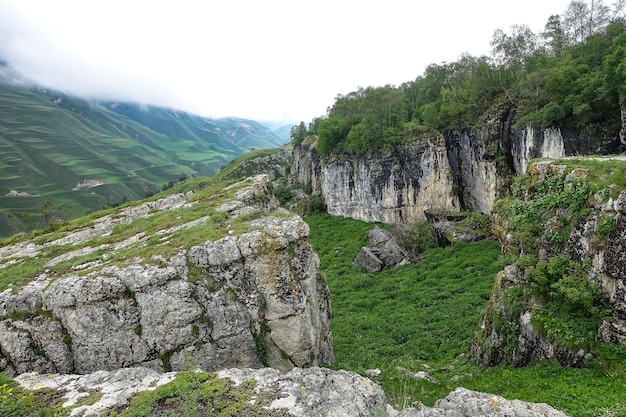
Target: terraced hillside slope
(63,157)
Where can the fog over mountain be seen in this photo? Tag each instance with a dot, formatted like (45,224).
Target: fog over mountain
(274,60)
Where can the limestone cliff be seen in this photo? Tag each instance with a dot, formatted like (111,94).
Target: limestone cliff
(469,171)
(570,243)
(388,185)
(212,279)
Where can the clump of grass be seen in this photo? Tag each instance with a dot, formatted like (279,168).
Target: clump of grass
(200,394)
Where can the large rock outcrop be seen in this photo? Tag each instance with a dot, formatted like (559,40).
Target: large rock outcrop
(387,185)
(469,171)
(248,297)
(300,392)
(507,333)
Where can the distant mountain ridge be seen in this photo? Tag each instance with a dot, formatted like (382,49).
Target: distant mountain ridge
(51,141)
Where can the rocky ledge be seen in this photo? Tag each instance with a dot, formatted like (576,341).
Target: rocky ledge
(168,297)
(300,392)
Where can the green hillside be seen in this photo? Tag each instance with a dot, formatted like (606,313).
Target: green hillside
(83,155)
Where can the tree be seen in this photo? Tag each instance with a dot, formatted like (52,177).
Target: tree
(513,49)
(583,20)
(331,132)
(298,134)
(554,36)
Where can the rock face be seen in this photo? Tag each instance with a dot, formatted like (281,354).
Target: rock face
(533,143)
(506,331)
(248,299)
(388,186)
(397,185)
(450,228)
(300,392)
(518,343)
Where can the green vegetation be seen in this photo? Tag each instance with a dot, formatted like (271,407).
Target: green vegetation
(569,76)
(52,144)
(190,394)
(201,394)
(209,194)
(18,402)
(422,318)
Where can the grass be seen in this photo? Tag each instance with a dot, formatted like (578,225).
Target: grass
(208,195)
(604,174)
(422,318)
(48,148)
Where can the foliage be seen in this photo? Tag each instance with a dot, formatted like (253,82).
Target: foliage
(195,393)
(316,204)
(416,236)
(555,200)
(573,306)
(403,320)
(423,313)
(568,76)
(605,226)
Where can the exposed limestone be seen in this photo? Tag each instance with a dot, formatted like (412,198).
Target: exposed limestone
(533,143)
(87,184)
(301,392)
(474,169)
(465,403)
(388,186)
(249,299)
(452,227)
(519,343)
(15,193)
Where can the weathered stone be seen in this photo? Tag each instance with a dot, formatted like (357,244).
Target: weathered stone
(386,253)
(465,403)
(301,392)
(387,186)
(243,300)
(368,259)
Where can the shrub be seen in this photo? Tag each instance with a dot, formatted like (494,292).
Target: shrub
(416,237)
(316,204)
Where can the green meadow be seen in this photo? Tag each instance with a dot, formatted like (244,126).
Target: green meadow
(422,317)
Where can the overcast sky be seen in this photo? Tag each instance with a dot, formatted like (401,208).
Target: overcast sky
(258,59)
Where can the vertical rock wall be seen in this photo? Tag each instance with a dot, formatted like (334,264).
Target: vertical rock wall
(533,143)
(388,185)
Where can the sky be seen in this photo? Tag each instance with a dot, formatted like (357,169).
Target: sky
(267,60)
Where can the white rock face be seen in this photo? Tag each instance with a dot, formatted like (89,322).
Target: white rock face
(301,392)
(389,186)
(532,144)
(248,299)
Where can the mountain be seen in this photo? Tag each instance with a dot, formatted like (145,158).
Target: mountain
(83,155)
(283,132)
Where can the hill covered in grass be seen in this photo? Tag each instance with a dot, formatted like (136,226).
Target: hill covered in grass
(83,155)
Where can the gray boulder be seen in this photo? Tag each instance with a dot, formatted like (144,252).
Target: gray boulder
(465,403)
(249,299)
(385,252)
